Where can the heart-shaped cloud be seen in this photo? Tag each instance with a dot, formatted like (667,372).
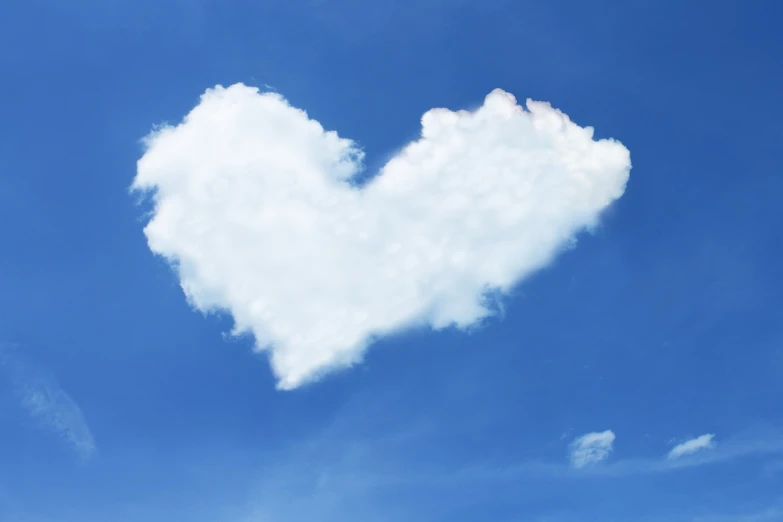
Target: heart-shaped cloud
(256,208)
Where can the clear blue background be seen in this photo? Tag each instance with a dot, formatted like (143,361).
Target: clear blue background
(663,325)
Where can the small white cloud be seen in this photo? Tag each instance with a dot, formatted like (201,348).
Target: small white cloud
(56,410)
(256,208)
(43,399)
(591,448)
(692,446)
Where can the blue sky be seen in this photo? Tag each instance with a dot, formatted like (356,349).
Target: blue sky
(120,400)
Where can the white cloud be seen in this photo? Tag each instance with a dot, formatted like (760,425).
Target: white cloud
(591,448)
(692,446)
(43,399)
(255,207)
(56,410)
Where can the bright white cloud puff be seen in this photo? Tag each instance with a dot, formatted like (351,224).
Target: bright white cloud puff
(256,209)
(691,446)
(591,448)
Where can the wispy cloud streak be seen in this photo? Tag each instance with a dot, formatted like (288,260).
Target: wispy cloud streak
(42,397)
(691,446)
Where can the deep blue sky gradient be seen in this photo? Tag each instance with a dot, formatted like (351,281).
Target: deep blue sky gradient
(663,324)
